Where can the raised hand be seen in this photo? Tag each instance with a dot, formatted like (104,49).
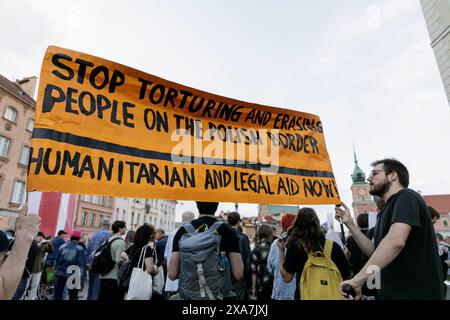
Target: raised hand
(27,226)
(343,212)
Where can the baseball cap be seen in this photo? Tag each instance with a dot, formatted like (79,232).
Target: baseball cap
(4,242)
(60,232)
(105,221)
(75,234)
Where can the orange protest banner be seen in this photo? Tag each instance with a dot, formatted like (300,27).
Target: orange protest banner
(104,128)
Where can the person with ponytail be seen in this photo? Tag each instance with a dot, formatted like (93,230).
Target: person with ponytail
(306,236)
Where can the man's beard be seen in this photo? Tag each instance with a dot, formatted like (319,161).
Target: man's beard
(380,190)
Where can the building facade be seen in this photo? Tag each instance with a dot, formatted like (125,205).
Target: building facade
(137,211)
(249,227)
(137,214)
(276,211)
(121,207)
(271,215)
(437,18)
(166,214)
(362,200)
(17,108)
(90,209)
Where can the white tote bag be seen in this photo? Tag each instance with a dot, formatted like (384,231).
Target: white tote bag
(141,281)
(158,279)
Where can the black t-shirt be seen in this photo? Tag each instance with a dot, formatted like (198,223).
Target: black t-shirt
(134,253)
(416,272)
(357,258)
(229,241)
(296,258)
(244,249)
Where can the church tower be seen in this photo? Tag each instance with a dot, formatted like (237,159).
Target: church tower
(362,200)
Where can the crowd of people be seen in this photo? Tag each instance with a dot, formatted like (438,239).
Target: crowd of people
(208,258)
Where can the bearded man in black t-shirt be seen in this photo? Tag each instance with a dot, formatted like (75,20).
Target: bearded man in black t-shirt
(404,246)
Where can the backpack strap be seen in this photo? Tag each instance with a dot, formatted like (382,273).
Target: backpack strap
(328,248)
(215,225)
(189,228)
(203,284)
(314,253)
(110,242)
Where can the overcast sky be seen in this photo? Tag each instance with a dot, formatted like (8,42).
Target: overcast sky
(365,67)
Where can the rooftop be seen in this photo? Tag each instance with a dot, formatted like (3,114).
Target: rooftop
(439,202)
(358,176)
(15,89)
(277,209)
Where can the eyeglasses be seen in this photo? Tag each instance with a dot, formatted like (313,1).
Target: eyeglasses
(374,172)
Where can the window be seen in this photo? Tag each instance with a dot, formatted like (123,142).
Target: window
(445,222)
(85,217)
(4,146)
(117,214)
(17,195)
(96,200)
(92,219)
(10,114)
(123,215)
(100,220)
(132,218)
(138,219)
(30,125)
(1,182)
(25,155)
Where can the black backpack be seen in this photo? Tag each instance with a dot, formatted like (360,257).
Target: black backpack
(103,261)
(124,275)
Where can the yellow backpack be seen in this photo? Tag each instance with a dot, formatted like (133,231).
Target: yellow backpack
(320,278)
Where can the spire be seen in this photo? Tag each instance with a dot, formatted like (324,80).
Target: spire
(358,175)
